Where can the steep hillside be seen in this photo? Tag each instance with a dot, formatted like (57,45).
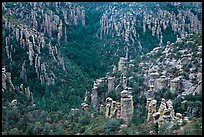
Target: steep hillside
(60,56)
(38,58)
(160,90)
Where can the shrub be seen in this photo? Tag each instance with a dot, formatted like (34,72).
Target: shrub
(129,130)
(88,132)
(112,125)
(14,131)
(113,95)
(46,129)
(60,131)
(195,128)
(66,123)
(138,118)
(84,120)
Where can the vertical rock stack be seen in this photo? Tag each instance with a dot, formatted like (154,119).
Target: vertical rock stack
(127,107)
(65,34)
(94,96)
(168,117)
(153,78)
(86,97)
(59,32)
(147,103)
(3,79)
(156,117)
(111,83)
(118,109)
(35,41)
(198,89)
(7,85)
(83,17)
(179,118)
(101,110)
(23,72)
(151,109)
(113,109)
(121,64)
(6,81)
(47,21)
(169,104)
(74,112)
(162,107)
(108,107)
(124,83)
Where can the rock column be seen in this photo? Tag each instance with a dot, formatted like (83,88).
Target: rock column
(111,84)
(94,96)
(127,107)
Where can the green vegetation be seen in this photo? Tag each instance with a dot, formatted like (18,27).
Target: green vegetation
(87,58)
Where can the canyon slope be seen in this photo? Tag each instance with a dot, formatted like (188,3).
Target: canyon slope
(127,68)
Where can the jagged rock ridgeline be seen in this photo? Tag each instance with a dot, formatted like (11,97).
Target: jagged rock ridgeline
(31,31)
(33,34)
(122,22)
(46,20)
(34,42)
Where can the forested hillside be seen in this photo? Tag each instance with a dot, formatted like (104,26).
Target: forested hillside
(98,67)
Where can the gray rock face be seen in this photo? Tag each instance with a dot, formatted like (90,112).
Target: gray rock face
(111,84)
(186,84)
(192,111)
(175,84)
(161,83)
(119,22)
